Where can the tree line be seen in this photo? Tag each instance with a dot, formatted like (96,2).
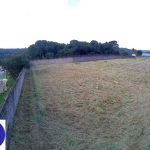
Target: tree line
(43,49)
(49,49)
(6,51)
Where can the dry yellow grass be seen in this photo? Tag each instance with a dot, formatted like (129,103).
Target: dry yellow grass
(90,105)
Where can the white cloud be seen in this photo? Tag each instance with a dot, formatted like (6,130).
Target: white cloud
(25,21)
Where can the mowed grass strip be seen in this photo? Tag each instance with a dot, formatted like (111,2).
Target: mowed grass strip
(89,105)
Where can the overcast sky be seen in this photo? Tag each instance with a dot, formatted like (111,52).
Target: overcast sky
(23,22)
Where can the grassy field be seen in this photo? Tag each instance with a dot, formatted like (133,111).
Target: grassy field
(99,105)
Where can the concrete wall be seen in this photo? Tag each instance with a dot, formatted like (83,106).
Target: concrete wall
(77,59)
(8,109)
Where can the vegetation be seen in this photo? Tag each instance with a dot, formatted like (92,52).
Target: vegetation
(1,59)
(14,64)
(10,82)
(6,51)
(48,49)
(100,105)
(123,53)
(137,52)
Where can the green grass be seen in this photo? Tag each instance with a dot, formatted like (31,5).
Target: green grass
(9,84)
(3,75)
(101,106)
(86,106)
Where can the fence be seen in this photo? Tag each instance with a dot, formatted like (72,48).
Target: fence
(77,59)
(9,106)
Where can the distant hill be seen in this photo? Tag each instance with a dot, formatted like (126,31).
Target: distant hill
(146,51)
(4,52)
(127,50)
(130,51)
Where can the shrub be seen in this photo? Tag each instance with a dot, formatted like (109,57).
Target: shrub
(13,64)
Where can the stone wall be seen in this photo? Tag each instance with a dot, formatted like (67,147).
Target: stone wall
(77,59)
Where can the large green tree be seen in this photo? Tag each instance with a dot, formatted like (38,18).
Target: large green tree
(94,47)
(13,64)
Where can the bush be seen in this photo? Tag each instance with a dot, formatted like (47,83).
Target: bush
(139,53)
(13,64)
(123,53)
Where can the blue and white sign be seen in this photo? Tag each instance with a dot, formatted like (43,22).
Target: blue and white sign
(2,135)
